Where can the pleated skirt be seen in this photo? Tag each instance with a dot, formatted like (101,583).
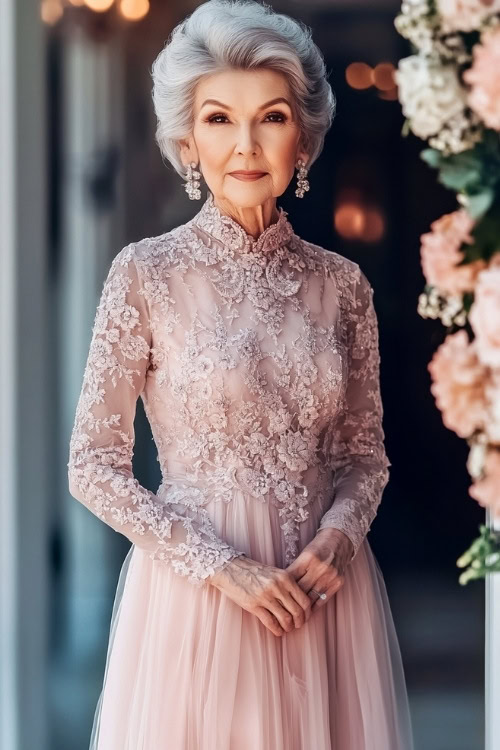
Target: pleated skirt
(188,669)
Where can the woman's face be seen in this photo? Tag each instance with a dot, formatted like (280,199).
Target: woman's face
(239,124)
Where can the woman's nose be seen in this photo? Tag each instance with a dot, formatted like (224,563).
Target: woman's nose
(246,141)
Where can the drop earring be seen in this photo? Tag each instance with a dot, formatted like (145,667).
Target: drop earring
(192,186)
(302,181)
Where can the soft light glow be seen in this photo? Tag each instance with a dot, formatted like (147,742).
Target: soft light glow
(349,220)
(99,6)
(357,222)
(77,3)
(134,10)
(51,11)
(389,96)
(383,76)
(374,228)
(359,75)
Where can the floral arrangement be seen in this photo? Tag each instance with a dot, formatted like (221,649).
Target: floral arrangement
(449,91)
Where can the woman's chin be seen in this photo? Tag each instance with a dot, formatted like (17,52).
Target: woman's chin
(247,194)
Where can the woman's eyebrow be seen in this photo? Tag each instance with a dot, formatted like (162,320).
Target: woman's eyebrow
(263,106)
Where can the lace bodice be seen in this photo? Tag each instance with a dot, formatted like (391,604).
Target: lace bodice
(257,362)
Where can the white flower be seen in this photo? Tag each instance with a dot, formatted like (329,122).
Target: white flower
(477,455)
(430,93)
(465,15)
(416,24)
(422,26)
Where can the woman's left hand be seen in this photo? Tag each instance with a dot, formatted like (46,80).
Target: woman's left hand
(321,565)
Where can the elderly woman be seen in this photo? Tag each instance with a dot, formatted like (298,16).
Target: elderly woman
(250,613)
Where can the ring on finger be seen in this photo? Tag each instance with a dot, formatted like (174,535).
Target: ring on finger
(320,596)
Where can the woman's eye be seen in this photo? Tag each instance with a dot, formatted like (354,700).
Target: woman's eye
(277,114)
(213,118)
(216,118)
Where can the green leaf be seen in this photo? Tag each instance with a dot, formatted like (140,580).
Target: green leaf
(474,172)
(486,234)
(482,557)
(479,203)
(405,130)
(432,157)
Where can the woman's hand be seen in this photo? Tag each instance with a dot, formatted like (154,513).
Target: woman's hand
(321,564)
(270,593)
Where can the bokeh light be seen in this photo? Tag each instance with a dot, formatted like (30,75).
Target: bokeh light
(359,75)
(100,6)
(134,10)
(354,221)
(383,76)
(51,11)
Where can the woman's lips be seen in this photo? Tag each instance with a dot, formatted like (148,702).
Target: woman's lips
(246,176)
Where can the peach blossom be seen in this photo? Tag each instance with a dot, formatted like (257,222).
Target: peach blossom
(487,490)
(493,398)
(440,253)
(459,381)
(484,96)
(484,316)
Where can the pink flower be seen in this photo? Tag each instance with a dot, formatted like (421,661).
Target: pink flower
(465,15)
(440,253)
(484,96)
(459,382)
(484,315)
(487,490)
(493,397)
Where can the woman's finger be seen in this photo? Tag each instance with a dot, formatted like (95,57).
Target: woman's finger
(268,620)
(307,581)
(330,591)
(315,570)
(301,597)
(297,568)
(284,617)
(295,607)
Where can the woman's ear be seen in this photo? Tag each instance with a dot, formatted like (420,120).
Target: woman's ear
(188,151)
(304,156)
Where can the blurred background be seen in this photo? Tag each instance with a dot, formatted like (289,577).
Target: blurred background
(81,176)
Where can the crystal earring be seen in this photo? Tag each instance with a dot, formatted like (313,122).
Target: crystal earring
(302,182)
(192,186)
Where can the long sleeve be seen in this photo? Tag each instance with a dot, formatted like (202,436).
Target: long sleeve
(359,459)
(101,446)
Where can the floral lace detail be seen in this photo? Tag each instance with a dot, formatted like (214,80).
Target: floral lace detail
(358,452)
(232,235)
(257,363)
(101,445)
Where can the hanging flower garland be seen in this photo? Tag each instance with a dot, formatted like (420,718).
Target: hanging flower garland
(449,91)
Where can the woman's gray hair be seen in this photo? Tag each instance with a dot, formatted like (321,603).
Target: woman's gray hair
(239,34)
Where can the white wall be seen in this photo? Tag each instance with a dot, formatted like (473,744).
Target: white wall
(24,449)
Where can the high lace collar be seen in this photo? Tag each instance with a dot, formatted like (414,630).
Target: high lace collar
(226,229)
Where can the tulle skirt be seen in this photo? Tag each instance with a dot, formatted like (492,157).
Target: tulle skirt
(188,669)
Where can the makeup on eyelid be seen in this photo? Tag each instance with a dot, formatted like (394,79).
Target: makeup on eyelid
(212,118)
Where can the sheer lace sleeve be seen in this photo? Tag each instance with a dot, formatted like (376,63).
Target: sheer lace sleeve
(101,446)
(359,458)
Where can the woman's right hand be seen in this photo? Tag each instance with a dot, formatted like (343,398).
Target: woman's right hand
(272,594)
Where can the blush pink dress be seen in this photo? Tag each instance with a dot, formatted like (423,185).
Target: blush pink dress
(257,362)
